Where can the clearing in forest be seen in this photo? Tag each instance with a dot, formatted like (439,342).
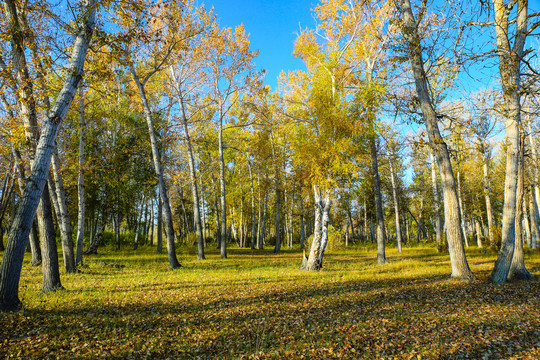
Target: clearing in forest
(259,305)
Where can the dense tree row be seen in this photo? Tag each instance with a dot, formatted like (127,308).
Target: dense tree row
(173,132)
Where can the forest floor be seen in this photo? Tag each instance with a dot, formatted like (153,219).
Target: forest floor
(256,305)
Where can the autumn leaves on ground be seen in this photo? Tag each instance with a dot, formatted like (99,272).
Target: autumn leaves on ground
(258,305)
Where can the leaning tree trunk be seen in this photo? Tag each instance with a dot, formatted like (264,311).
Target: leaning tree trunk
(10,269)
(518,271)
(458,259)
(80,181)
(167,212)
(313,262)
(509,68)
(396,205)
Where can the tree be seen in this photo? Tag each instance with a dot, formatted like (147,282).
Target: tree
(510,58)
(10,269)
(409,27)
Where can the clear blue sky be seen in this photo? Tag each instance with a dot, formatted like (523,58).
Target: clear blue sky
(273,26)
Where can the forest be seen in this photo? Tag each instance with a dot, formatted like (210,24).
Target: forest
(159,199)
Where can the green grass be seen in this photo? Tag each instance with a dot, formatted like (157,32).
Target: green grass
(259,305)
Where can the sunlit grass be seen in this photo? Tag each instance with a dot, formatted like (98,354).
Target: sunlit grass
(259,305)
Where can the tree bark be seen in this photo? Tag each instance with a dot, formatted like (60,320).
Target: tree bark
(458,260)
(167,212)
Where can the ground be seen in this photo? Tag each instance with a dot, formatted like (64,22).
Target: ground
(257,305)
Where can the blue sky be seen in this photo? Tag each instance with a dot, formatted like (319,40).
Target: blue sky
(273,26)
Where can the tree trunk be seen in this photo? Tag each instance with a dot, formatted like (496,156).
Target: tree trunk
(379,214)
(535,229)
(509,68)
(458,260)
(526,220)
(66,231)
(259,219)
(302,226)
(223,249)
(518,271)
(49,267)
(396,204)
(116,221)
(98,237)
(277,248)
(159,245)
(203,202)
(535,194)
(138,224)
(265,212)
(171,250)
(152,221)
(487,195)
(437,201)
(11,266)
(462,211)
(478,234)
(33,236)
(80,181)
(320,234)
(193,180)
(253,212)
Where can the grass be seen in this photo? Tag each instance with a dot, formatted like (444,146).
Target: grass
(256,305)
